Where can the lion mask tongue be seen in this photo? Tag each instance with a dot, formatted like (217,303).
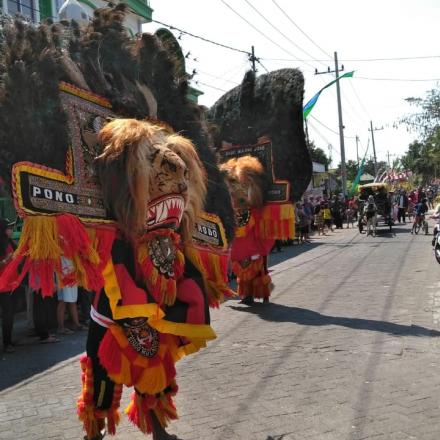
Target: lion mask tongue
(166,211)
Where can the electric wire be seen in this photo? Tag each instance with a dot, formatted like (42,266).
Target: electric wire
(215,76)
(360,100)
(399,79)
(278,30)
(330,129)
(347,60)
(258,30)
(210,86)
(207,40)
(288,17)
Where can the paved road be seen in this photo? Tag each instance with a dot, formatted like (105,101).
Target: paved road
(348,350)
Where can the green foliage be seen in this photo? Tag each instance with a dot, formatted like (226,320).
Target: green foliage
(318,155)
(423,156)
(426,121)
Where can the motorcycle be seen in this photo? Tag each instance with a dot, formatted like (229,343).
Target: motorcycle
(436,241)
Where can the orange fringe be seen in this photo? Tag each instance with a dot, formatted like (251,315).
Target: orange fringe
(44,240)
(276,221)
(253,280)
(213,266)
(140,408)
(94,420)
(163,289)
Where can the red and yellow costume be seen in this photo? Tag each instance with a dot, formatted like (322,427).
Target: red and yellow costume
(153,284)
(259,224)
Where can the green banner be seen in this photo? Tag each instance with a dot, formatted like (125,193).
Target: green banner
(311,103)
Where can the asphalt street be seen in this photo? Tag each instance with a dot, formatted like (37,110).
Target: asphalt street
(347,350)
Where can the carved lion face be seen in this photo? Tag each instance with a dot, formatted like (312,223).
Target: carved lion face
(168,189)
(246,181)
(150,177)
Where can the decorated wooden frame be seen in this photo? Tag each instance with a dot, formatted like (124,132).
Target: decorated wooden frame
(279,190)
(39,190)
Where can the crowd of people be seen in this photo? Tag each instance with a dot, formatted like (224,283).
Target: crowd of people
(322,215)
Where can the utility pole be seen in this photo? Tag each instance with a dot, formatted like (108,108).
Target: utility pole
(252,59)
(341,125)
(388,155)
(374,145)
(357,149)
(306,128)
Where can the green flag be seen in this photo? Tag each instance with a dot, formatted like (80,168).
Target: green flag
(311,103)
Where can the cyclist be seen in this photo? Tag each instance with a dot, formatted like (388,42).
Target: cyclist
(419,213)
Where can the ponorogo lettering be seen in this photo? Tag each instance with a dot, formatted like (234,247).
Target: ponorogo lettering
(52,194)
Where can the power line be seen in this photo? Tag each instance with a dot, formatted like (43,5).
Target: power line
(217,77)
(288,17)
(201,38)
(212,87)
(345,60)
(330,129)
(359,99)
(256,29)
(398,79)
(278,30)
(264,67)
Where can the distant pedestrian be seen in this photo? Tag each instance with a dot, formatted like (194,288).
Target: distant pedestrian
(319,220)
(7,299)
(67,295)
(327,216)
(402,205)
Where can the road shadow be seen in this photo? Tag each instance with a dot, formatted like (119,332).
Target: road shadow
(280,313)
(292,251)
(32,357)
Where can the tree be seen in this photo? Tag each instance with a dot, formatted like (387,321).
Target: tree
(427,120)
(318,155)
(351,167)
(423,156)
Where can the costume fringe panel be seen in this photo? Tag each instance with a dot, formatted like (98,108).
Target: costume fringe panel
(94,420)
(140,409)
(253,280)
(276,221)
(213,266)
(44,240)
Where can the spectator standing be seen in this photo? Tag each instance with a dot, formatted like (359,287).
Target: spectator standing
(43,313)
(308,213)
(402,205)
(327,216)
(337,212)
(319,220)
(7,299)
(67,295)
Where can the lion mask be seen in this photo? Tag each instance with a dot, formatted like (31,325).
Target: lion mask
(151,178)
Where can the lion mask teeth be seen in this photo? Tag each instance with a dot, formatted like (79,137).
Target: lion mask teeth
(167,210)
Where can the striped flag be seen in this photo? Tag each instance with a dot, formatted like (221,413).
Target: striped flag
(309,106)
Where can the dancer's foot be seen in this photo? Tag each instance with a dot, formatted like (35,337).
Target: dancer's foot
(99,436)
(266,300)
(247,300)
(159,432)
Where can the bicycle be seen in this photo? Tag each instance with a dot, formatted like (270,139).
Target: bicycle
(420,223)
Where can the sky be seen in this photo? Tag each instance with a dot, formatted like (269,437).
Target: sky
(367,36)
